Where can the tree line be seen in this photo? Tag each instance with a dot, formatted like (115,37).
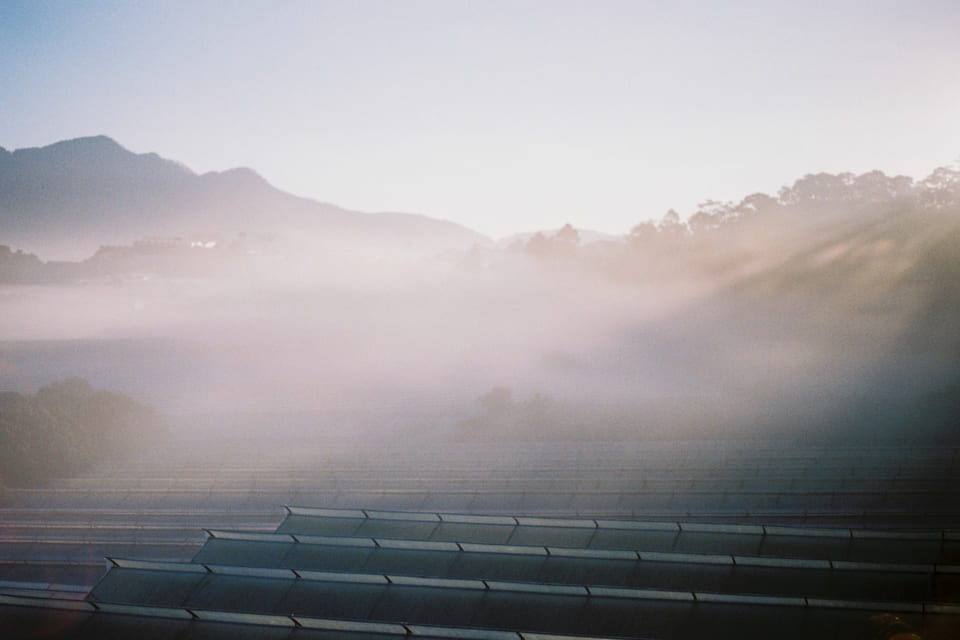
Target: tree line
(66,428)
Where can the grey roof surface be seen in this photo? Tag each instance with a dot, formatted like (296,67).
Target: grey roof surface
(528,607)
(940,547)
(540,588)
(653,539)
(665,620)
(679,571)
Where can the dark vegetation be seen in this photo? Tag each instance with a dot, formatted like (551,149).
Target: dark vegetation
(66,428)
(824,225)
(931,419)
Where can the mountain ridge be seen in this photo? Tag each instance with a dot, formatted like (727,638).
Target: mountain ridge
(68,198)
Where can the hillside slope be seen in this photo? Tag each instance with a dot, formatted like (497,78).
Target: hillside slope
(67,199)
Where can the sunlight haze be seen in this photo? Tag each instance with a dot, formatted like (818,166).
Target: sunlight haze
(501,116)
(379,319)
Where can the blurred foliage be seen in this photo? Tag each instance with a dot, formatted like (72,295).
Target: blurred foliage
(65,429)
(20,267)
(930,419)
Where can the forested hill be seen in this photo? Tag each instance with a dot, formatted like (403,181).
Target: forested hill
(870,242)
(831,307)
(65,429)
(763,229)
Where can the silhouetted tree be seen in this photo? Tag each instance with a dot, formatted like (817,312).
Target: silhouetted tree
(941,188)
(561,245)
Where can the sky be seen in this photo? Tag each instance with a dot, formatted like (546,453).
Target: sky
(502,116)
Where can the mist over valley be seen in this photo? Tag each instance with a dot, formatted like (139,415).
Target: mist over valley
(521,320)
(826,312)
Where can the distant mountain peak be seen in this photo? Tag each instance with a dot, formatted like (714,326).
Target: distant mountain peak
(237,174)
(99,139)
(100,143)
(72,196)
(92,150)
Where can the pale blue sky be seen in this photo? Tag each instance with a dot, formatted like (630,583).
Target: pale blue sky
(503,116)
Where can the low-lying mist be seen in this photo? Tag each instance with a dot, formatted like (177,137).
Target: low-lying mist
(828,312)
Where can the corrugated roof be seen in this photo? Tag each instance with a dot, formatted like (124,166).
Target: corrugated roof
(692,572)
(722,548)
(927,547)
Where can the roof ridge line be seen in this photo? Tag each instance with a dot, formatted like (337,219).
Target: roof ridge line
(591,591)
